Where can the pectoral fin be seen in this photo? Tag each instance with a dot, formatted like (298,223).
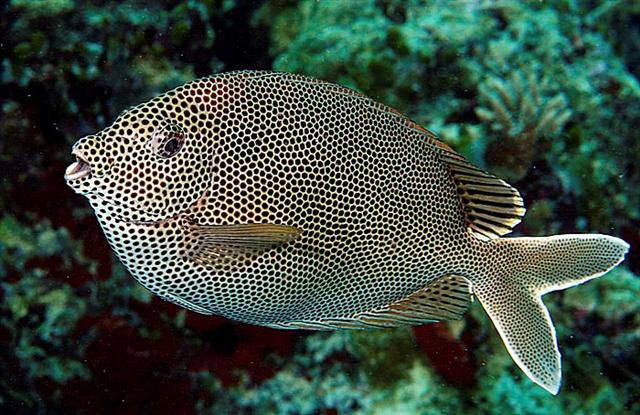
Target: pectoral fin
(217,244)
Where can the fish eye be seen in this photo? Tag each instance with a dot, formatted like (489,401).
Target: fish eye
(167,140)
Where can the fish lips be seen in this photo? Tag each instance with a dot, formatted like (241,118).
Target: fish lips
(79,171)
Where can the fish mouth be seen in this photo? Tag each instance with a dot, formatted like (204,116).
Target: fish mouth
(79,169)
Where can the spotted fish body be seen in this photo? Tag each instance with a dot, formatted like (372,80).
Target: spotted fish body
(281,200)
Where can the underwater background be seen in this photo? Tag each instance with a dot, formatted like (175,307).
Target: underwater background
(544,94)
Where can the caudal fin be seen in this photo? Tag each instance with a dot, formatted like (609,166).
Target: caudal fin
(533,267)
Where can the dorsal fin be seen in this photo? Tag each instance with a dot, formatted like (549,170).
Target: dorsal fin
(491,206)
(445,299)
(403,119)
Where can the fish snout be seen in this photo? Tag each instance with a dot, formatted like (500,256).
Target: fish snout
(92,160)
(80,169)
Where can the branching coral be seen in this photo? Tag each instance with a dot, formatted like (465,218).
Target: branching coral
(523,112)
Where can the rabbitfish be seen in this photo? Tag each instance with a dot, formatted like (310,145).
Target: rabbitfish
(284,201)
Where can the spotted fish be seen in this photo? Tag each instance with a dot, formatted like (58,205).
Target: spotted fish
(284,201)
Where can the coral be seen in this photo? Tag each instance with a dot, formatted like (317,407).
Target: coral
(386,357)
(400,53)
(524,115)
(38,311)
(316,378)
(617,21)
(328,375)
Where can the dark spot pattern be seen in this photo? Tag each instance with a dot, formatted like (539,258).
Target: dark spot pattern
(379,213)
(385,212)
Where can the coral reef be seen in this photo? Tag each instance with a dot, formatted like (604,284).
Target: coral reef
(523,114)
(545,94)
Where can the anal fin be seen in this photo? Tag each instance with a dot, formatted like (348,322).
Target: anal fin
(445,299)
(172,298)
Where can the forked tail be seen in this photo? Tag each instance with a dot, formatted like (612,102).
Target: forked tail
(528,268)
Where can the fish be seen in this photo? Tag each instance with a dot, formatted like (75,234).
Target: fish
(281,200)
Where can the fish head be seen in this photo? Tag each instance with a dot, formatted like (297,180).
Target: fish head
(152,163)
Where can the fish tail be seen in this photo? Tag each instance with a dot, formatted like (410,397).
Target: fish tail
(527,269)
